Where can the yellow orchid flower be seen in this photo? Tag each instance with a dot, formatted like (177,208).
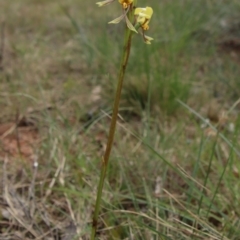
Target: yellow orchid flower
(119,19)
(125,3)
(144,16)
(126,6)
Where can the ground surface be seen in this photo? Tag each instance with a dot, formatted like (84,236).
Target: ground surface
(172,174)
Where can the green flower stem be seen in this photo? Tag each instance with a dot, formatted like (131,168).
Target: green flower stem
(105,159)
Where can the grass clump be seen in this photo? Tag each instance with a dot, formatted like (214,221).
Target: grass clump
(172,175)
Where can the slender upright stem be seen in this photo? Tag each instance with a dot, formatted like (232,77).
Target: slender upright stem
(105,158)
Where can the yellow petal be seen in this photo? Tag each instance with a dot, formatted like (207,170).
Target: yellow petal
(141,19)
(144,12)
(137,11)
(149,12)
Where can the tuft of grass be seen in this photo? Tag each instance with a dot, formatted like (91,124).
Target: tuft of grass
(170,177)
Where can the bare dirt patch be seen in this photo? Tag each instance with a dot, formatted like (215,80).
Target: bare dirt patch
(18,141)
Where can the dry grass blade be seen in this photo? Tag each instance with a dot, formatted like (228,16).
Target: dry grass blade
(62,182)
(54,179)
(18,207)
(198,219)
(210,125)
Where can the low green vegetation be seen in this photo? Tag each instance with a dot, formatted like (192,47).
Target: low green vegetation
(172,173)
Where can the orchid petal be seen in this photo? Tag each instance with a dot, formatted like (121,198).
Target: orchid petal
(130,26)
(104,3)
(117,20)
